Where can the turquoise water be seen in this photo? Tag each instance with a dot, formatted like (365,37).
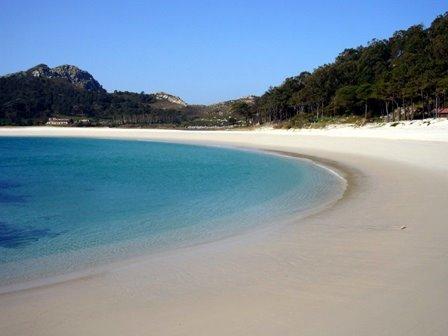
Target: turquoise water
(67,204)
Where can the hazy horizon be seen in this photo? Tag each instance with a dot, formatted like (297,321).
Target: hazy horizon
(202,52)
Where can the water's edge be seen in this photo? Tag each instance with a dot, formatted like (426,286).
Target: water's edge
(345,174)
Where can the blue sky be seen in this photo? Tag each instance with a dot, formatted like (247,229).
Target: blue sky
(203,51)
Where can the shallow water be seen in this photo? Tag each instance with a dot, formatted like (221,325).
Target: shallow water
(68,204)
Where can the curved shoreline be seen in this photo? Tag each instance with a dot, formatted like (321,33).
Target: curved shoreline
(90,272)
(349,270)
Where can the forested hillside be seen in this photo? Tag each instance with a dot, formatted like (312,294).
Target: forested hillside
(403,77)
(29,100)
(406,74)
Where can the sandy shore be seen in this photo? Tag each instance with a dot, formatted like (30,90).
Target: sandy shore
(348,270)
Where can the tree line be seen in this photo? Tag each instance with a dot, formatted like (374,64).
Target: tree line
(28,100)
(403,77)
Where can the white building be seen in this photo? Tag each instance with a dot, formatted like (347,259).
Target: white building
(58,122)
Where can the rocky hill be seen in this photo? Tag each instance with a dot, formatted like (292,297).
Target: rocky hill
(33,96)
(225,108)
(163,96)
(71,73)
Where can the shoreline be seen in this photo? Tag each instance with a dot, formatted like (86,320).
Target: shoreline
(431,129)
(342,173)
(349,269)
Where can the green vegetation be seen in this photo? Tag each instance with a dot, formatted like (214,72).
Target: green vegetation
(301,121)
(28,100)
(243,110)
(403,77)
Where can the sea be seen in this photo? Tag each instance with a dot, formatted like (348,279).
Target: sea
(71,204)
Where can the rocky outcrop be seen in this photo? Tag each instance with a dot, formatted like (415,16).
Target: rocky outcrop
(225,108)
(250,100)
(73,74)
(169,98)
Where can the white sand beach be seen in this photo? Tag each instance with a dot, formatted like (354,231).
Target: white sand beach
(375,263)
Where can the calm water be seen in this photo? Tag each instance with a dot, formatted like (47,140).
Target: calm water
(68,204)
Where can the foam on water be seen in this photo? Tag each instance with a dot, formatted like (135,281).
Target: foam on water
(68,204)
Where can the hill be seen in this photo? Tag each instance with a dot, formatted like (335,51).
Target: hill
(71,73)
(31,97)
(402,77)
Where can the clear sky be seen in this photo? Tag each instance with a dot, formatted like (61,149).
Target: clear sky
(202,51)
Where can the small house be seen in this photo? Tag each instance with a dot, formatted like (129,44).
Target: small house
(443,112)
(58,122)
